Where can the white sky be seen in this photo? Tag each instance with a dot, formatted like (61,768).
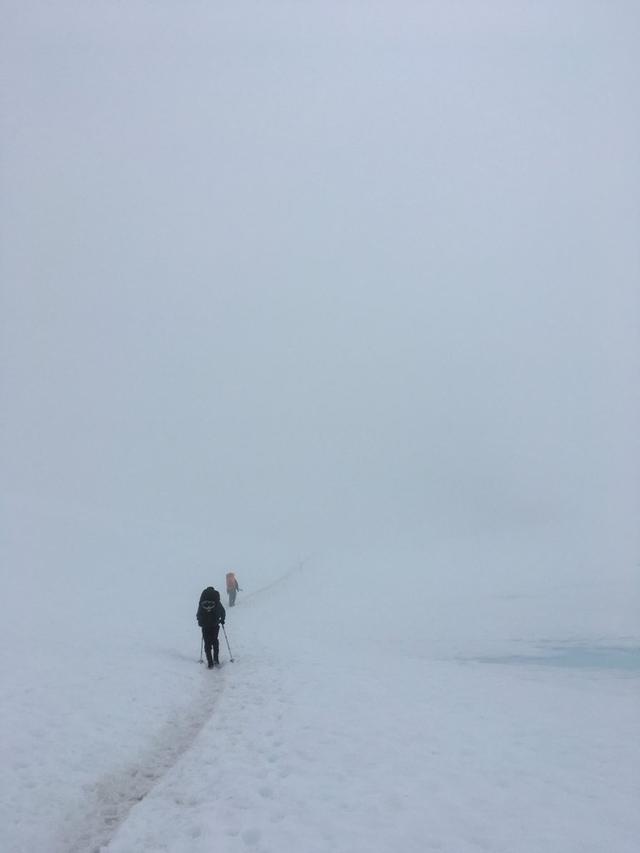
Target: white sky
(316,272)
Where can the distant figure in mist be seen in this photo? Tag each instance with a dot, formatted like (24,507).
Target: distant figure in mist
(232,588)
(211,614)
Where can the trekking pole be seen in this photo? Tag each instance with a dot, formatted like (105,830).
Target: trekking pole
(228,646)
(201,649)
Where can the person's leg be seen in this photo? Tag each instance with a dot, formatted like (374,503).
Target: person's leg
(215,643)
(232,597)
(208,642)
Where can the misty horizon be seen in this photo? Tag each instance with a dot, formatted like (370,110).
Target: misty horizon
(313,277)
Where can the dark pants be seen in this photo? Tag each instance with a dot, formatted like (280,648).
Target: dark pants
(210,637)
(232,597)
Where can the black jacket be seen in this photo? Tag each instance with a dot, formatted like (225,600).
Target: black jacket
(210,610)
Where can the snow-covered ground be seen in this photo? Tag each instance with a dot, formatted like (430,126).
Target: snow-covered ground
(341,296)
(374,704)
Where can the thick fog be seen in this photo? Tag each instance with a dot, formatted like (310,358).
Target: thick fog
(285,278)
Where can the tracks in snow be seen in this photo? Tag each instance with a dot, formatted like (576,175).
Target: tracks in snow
(108,802)
(110,799)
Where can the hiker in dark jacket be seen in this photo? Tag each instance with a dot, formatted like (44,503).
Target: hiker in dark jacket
(211,614)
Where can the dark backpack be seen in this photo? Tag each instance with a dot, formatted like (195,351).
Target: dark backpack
(209,607)
(209,599)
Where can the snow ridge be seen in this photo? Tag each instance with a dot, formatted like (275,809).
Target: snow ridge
(108,801)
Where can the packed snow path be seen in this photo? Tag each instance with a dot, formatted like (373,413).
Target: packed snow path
(347,723)
(90,825)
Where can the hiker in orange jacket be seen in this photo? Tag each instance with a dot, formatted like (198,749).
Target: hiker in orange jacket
(232,588)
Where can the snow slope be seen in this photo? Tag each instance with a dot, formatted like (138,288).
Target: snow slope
(360,714)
